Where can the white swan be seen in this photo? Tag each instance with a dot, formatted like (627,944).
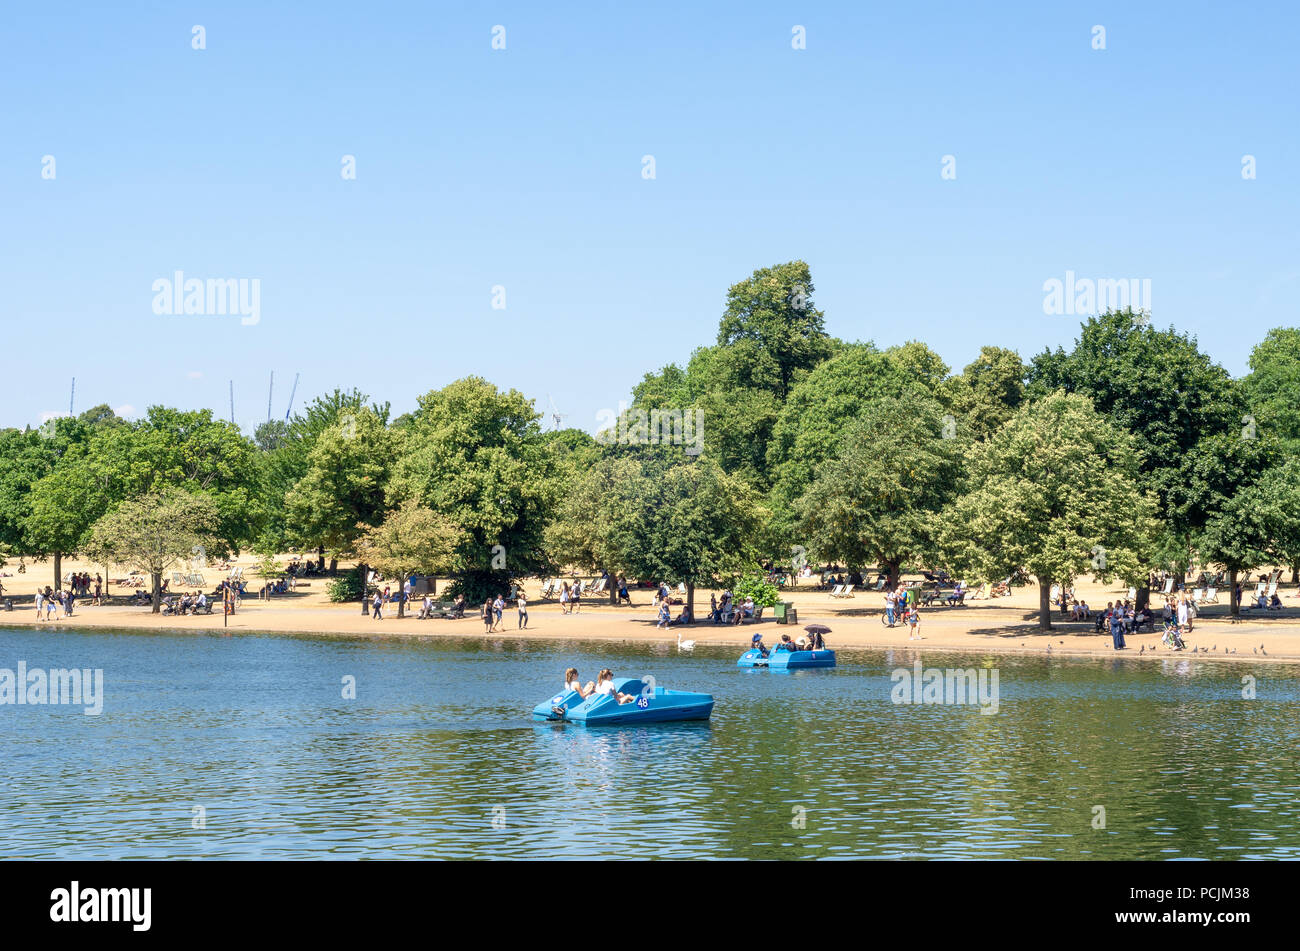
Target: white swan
(684,645)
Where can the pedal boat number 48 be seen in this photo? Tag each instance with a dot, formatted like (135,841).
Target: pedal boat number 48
(653,704)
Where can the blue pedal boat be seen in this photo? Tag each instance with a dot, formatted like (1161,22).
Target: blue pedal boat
(659,706)
(787,660)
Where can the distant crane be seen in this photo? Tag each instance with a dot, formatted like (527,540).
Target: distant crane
(232,402)
(269,391)
(73,396)
(289,409)
(555,411)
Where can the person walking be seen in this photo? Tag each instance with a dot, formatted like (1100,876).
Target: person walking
(522,604)
(498,609)
(378,605)
(891,602)
(487,615)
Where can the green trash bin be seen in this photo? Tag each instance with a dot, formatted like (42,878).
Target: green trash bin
(781,611)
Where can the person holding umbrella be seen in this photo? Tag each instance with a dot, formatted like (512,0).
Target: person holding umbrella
(816,641)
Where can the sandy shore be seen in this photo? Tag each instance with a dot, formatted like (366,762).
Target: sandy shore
(1005,624)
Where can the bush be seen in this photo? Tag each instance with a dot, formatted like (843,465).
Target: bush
(753,586)
(479,586)
(346,587)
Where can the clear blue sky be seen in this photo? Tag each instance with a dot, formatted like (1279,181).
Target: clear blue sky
(522,168)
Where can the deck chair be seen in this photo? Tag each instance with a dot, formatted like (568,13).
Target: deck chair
(1132,594)
(835,591)
(1211,596)
(681,588)
(1169,586)
(982,594)
(600,586)
(880,584)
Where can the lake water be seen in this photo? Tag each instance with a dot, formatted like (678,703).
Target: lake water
(250,737)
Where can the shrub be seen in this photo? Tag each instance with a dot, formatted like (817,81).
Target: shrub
(753,586)
(346,587)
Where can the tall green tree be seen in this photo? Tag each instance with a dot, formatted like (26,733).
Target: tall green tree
(476,455)
(1055,493)
(988,391)
(655,513)
(342,492)
(879,501)
(1158,386)
(1272,388)
(813,421)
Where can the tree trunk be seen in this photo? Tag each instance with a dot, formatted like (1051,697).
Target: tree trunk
(894,570)
(1233,600)
(321,552)
(157,592)
(58,571)
(1295,574)
(1143,596)
(611,587)
(690,598)
(1045,604)
(365,588)
(334,567)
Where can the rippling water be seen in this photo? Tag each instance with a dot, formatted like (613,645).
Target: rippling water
(436,756)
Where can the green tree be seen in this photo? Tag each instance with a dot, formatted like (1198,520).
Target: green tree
(1219,490)
(342,490)
(283,460)
(879,501)
(771,333)
(819,411)
(1161,388)
(411,540)
(1272,388)
(475,455)
(1054,492)
(154,533)
(988,391)
(653,513)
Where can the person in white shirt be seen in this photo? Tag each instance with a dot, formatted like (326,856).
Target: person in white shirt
(522,604)
(605,685)
(571,682)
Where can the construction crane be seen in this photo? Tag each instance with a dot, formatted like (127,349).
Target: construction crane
(269,391)
(289,409)
(232,402)
(555,411)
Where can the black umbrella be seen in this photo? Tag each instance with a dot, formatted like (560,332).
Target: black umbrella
(817,629)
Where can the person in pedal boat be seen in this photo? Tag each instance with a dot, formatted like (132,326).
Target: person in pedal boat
(605,685)
(571,682)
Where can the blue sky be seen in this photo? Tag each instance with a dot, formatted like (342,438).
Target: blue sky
(522,168)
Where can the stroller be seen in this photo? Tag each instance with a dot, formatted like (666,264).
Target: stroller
(1172,638)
